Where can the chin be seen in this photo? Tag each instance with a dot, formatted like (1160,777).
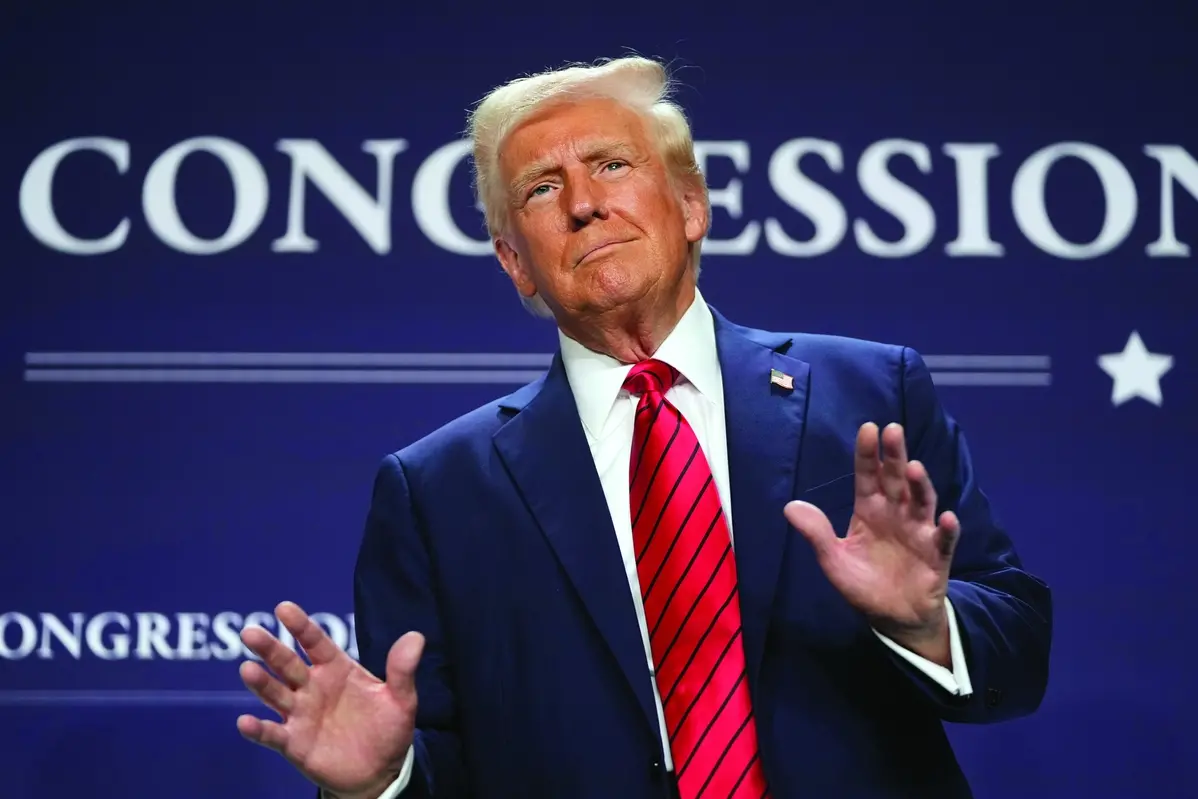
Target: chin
(613,284)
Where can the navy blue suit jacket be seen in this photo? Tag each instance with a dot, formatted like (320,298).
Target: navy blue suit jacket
(491,536)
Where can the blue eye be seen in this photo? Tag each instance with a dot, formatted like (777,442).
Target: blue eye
(615,163)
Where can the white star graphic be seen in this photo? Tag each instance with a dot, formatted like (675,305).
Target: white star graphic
(1136,371)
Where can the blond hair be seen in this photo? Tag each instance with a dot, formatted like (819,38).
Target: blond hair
(641,84)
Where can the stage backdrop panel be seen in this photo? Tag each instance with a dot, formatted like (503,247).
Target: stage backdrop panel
(241,263)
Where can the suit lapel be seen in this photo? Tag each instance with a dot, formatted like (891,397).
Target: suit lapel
(546,453)
(765,429)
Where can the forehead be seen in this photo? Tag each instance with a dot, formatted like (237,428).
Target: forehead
(574,131)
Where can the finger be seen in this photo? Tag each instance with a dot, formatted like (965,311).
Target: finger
(948,533)
(273,693)
(894,463)
(402,662)
(923,493)
(310,635)
(814,526)
(270,734)
(282,661)
(865,461)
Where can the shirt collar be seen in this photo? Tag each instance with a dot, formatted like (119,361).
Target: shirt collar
(596,379)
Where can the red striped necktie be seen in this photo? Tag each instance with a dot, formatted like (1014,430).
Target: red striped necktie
(687,574)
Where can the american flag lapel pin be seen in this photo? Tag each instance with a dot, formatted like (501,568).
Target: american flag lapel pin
(782,380)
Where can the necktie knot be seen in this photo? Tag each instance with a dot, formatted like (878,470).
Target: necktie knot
(650,377)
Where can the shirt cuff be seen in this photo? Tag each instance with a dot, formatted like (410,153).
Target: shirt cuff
(405,775)
(955,681)
(401,782)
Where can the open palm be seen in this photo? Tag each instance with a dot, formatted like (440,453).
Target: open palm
(343,728)
(893,563)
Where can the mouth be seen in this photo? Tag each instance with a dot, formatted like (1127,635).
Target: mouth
(600,248)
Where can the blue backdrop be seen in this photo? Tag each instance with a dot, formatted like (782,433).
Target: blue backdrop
(241,262)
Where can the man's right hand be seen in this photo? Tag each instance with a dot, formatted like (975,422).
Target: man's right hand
(344,729)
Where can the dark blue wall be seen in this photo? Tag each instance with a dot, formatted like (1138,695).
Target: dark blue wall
(1042,181)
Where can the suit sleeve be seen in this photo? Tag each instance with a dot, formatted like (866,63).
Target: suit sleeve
(394,594)
(1004,613)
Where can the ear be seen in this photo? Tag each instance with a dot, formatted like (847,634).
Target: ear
(509,259)
(694,208)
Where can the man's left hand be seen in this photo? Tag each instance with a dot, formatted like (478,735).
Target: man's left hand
(893,564)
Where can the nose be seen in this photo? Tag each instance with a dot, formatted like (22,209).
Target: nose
(586,200)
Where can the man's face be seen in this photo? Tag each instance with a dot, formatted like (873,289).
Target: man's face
(596,223)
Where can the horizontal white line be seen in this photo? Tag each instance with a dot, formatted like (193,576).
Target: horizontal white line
(988,361)
(281,376)
(421,359)
(992,378)
(344,359)
(422,376)
(166,698)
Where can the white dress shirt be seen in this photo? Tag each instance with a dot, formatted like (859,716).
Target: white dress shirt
(608,412)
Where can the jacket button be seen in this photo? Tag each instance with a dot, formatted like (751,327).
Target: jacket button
(993,697)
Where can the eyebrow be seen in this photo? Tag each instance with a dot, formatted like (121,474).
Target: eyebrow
(592,152)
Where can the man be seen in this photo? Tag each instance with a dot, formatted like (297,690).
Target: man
(694,559)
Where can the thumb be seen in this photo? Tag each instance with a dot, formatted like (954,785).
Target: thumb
(402,661)
(813,524)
